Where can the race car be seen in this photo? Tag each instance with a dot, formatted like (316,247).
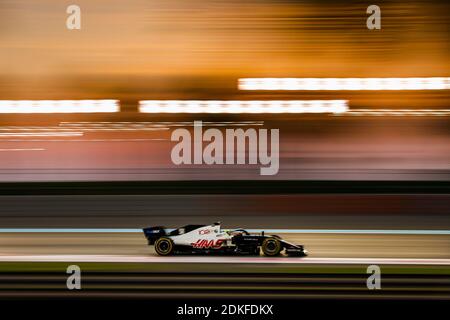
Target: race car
(213,239)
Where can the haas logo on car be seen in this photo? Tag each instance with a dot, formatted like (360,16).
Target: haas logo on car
(203,244)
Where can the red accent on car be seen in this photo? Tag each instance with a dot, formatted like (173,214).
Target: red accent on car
(203,243)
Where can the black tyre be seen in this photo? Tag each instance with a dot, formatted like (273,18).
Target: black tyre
(271,247)
(164,246)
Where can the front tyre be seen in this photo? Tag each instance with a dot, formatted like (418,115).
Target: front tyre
(164,246)
(271,247)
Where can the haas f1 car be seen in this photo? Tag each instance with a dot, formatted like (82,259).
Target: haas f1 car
(210,239)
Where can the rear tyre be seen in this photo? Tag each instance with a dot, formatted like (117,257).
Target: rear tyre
(164,246)
(271,247)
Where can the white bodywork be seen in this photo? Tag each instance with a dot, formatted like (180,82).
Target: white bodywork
(204,237)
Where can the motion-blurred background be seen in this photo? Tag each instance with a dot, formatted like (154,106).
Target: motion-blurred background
(173,49)
(376,177)
(136,50)
(198,50)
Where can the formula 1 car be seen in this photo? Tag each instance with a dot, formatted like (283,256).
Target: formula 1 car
(212,239)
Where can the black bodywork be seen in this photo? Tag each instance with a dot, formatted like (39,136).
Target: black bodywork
(248,242)
(154,233)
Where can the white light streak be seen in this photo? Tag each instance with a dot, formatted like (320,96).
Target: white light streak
(255,107)
(335,84)
(58,106)
(41,134)
(30,149)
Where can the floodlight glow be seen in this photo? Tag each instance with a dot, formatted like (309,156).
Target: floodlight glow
(58,106)
(255,107)
(41,134)
(319,84)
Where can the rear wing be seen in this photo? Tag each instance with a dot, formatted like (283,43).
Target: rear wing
(154,233)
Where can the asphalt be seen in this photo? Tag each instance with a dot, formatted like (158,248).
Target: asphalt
(69,246)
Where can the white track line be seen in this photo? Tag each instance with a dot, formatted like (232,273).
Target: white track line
(284,231)
(218,259)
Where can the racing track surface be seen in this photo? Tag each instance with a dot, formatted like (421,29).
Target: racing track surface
(123,247)
(380,209)
(121,265)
